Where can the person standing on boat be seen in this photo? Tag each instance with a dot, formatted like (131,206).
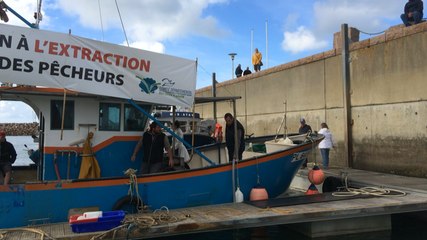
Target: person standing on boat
(7,157)
(413,11)
(179,147)
(238,71)
(326,144)
(154,143)
(229,136)
(256,60)
(304,128)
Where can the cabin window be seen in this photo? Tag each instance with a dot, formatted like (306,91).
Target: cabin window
(134,120)
(109,116)
(56,108)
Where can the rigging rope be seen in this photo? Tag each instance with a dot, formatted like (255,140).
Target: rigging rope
(100,18)
(121,21)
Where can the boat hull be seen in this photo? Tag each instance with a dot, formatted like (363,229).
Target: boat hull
(35,203)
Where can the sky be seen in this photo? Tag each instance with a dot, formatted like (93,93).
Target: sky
(208,30)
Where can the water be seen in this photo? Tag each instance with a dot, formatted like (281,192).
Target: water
(19,143)
(408,226)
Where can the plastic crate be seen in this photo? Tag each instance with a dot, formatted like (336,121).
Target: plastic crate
(107,221)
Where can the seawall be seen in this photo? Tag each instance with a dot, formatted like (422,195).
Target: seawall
(20,129)
(388,100)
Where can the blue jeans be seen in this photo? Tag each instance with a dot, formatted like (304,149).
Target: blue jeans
(325,157)
(416,18)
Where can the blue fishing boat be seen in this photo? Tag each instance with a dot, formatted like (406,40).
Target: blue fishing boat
(94,105)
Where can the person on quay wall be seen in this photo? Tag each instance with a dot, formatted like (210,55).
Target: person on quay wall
(154,142)
(257,60)
(304,128)
(413,12)
(238,71)
(229,136)
(326,144)
(247,72)
(7,157)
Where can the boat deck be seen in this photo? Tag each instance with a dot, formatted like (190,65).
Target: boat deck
(244,215)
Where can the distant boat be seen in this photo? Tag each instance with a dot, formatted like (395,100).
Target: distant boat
(88,93)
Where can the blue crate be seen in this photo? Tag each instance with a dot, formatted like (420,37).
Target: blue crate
(107,221)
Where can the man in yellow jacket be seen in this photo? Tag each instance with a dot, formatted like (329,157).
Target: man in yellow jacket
(256,60)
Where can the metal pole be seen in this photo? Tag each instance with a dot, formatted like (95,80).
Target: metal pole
(348,143)
(236,149)
(214,95)
(232,55)
(232,68)
(266,43)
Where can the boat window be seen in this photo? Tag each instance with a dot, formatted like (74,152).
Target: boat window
(109,116)
(56,115)
(134,120)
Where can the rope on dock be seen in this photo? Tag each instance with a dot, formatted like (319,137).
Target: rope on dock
(142,221)
(43,235)
(374,191)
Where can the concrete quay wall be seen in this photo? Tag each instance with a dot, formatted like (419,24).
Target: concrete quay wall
(388,81)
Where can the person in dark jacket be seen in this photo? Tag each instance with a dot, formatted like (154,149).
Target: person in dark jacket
(229,137)
(154,142)
(7,157)
(247,72)
(304,128)
(238,71)
(413,12)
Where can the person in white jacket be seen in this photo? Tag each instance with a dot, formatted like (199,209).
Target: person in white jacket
(326,144)
(179,147)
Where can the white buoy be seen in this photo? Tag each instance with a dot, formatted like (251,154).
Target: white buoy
(239,195)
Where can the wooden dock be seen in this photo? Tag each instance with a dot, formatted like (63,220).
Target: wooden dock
(244,215)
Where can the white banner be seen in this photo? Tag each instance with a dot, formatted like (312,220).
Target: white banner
(43,58)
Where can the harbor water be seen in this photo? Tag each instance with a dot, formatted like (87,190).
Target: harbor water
(22,144)
(408,226)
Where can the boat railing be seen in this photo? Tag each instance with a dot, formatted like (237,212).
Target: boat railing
(68,154)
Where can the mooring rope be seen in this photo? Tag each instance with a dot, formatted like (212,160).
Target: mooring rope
(133,188)
(374,191)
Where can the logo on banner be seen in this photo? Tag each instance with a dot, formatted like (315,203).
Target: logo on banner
(148,85)
(165,88)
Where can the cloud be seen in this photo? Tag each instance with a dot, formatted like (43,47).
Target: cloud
(363,14)
(26,9)
(147,23)
(301,40)
(315,28)
(16,112)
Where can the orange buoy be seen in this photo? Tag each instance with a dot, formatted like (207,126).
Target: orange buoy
(312,190)
(258,193)
(316,175)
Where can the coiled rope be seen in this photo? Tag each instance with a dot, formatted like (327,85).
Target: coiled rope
(43,235)
(138,221)
(374,191)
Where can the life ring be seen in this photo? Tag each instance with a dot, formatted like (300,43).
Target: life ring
(129,204)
